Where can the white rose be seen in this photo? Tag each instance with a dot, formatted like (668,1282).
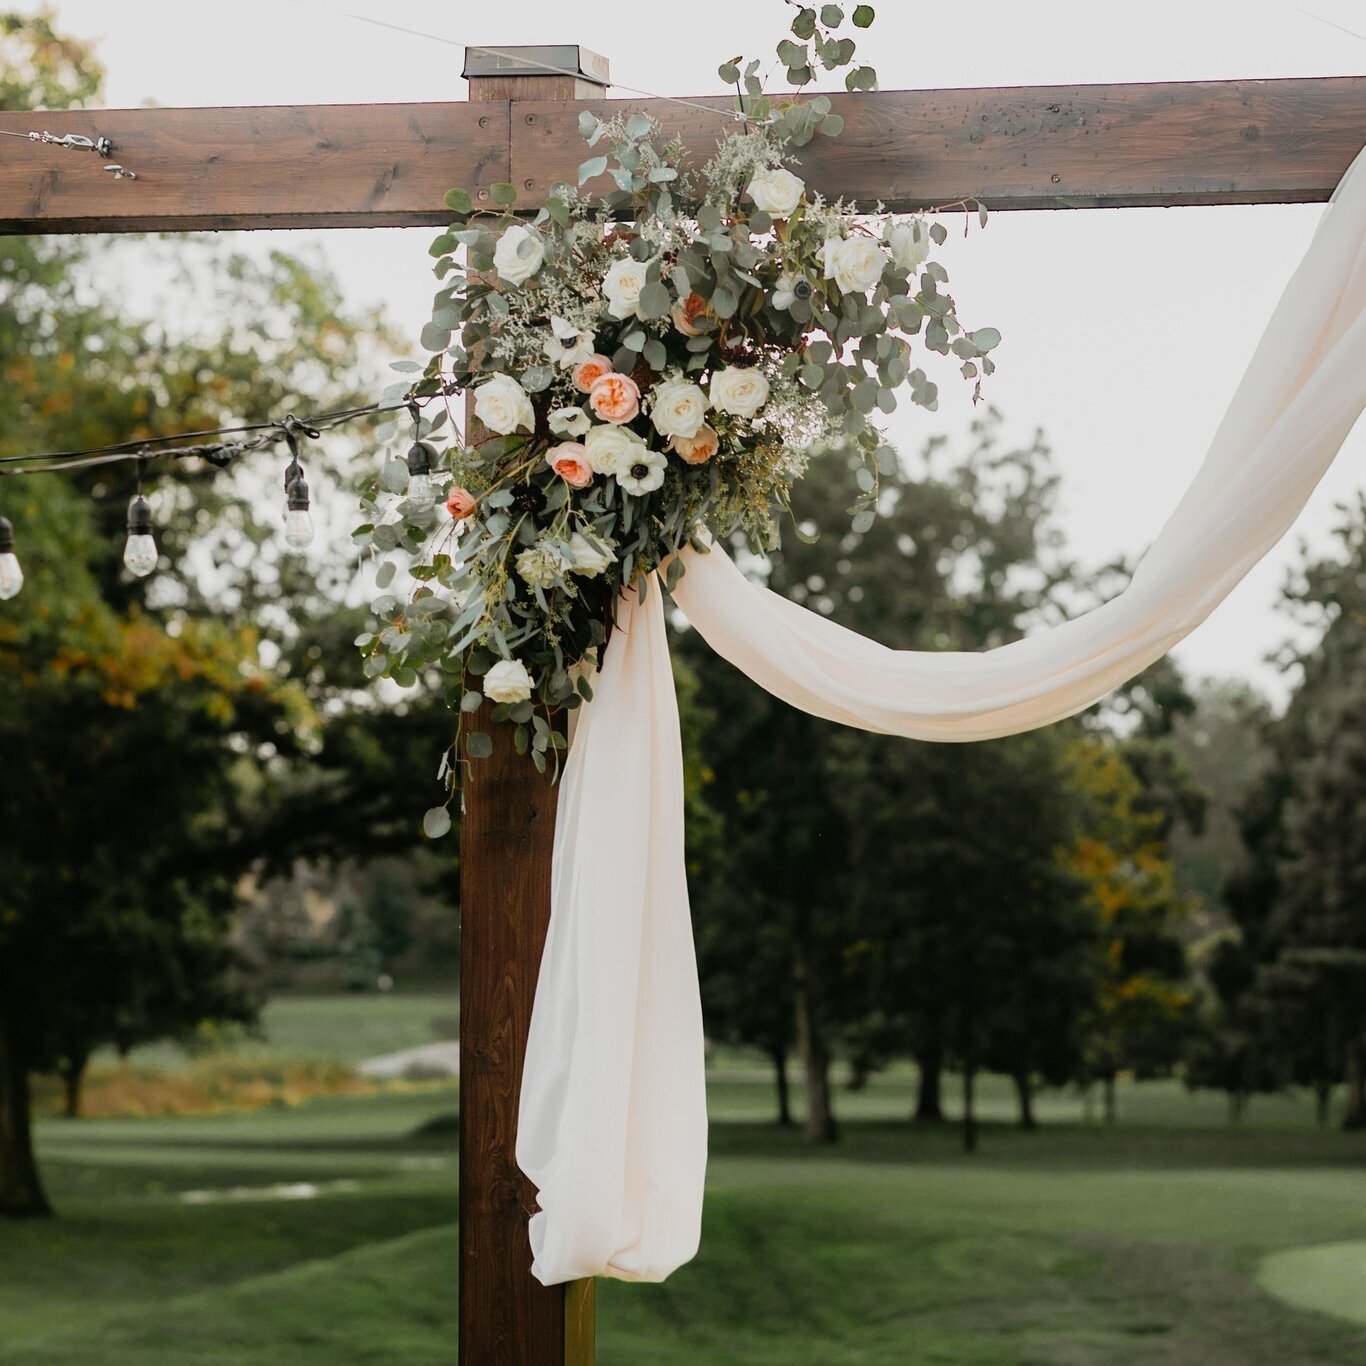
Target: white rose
(909,243)
(507,681)
(610,448)
(739,391)
(566,345)
(502,405)
(776,191)
(586,557)
(621,288)
(519,254)
(644,472)
(853,263)
(677,408)
(569,422)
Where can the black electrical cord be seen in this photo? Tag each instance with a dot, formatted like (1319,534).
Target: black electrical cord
(219,453)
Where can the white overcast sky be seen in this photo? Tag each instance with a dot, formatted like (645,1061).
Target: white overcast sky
(1125,330)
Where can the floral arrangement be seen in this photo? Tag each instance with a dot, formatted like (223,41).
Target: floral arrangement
(645,366)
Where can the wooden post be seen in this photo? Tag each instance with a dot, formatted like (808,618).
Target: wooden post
(506,1317)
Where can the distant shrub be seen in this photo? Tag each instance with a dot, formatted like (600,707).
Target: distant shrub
(209,1085)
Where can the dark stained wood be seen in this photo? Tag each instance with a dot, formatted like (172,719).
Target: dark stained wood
(507,1318)
(1097,146)
(308,166)
(1042,147)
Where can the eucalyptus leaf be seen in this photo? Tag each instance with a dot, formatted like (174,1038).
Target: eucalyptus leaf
(436,823)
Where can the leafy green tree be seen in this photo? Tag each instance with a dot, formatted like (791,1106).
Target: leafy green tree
(1297,895)
(155,748)
(963,553)
(1120,852)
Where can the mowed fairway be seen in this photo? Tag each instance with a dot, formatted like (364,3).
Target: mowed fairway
(192,1241)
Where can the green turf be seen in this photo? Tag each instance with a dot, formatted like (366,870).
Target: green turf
(1069,1246)
(1331,1278)
(346,1028)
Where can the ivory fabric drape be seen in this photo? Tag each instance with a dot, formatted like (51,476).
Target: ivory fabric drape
(612,1128)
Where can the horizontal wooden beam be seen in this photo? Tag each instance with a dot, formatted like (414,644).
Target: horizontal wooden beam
(1096,146)
(280,166)
(1040,147)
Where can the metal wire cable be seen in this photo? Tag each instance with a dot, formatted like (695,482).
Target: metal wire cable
(255,436)
(525,63)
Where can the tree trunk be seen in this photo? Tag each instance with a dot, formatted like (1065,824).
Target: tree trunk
(779,1057)
(1355,1115)
(21,1188)
(929,1098)
(1323,1102)
(1237,1102)
(73,1076)
(1024,1092)
(815,1053)
(969,1107)
(1108,1091)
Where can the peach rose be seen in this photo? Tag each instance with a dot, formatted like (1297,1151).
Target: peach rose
(697,450)
(460,503)
(589,371)
(686,313)
(570,461)
(615,398)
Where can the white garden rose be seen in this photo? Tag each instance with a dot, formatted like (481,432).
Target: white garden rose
(853,263)
(507,681)
(776,191)
(569,421)
(741,392)
(784,291)
(644,472)
(502,405)
(621,288)
(588,558)
(909,243)
(677,408)
(610,448)
(519,254)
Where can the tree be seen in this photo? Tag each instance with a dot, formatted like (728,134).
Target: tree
(1120,853)
(1297,897)
(155,749)
(962,554)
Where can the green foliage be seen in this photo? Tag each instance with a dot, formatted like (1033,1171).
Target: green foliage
(156,748)
(1300,953)
(821,315)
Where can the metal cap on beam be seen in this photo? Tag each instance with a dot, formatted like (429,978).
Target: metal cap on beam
(563,59)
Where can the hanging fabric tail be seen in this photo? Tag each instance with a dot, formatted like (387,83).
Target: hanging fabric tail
(613,1123)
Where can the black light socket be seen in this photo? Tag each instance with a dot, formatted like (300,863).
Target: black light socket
(139,516)
(421,458)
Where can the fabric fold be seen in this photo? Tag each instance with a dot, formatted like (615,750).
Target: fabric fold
(613,1112)
(613,1118)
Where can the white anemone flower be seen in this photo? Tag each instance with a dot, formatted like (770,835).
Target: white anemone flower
(644,472)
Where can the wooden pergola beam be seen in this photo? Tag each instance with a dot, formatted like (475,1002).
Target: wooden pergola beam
(1041,147)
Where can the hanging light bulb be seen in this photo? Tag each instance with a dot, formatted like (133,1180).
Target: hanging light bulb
(140,553)
(421,490)
(11,572)
(298,523)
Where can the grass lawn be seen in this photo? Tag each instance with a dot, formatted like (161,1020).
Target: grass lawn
(346,1028)
(1152,1242)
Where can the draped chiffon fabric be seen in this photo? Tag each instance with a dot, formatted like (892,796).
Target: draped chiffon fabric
(612,1129)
